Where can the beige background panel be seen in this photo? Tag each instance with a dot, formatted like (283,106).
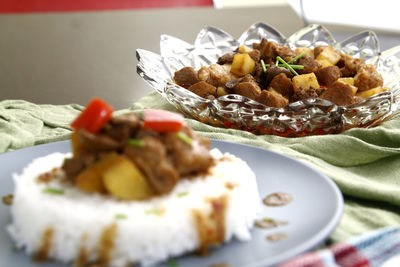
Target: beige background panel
(63,58)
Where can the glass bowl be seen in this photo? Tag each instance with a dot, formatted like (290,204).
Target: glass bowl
(309,117)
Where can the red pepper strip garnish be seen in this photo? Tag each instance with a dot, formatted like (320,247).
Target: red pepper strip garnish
(96,114)
(162,121)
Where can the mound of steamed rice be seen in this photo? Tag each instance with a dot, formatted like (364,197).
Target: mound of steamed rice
(80,227)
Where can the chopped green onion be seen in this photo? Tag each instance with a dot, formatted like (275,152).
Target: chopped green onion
(276,63)
(182,194)
(54,191)
(155,211)
(296,67)
(172,263)
(296,58)
(264,66)
(185,138)
(286,65)
(136,142)
(120,216)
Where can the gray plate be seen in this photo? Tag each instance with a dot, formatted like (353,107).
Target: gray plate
(312,215)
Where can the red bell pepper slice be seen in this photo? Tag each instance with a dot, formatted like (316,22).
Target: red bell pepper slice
(96,114)
(162,120)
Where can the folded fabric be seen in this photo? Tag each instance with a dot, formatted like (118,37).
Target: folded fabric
(375,248)
(363,162)
(25,124)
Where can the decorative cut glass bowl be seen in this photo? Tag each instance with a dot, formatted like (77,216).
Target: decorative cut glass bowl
(309,117)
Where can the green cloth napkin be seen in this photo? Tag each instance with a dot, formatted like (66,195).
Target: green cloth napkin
(364,163)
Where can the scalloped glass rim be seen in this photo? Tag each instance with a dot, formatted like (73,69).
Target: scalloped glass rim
(309,117)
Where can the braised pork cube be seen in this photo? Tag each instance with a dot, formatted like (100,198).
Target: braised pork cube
(203,89)
(248,89)
(309,63)
(226,59)
(349,65)
(282,84)
(367,77)
(215,74)
(188,158)
(272,99)
(151,159)
(273,71)
(328,75)
(186,77)
(268,49)
(340,93)
(255,55)
(97,142)
(303,94)
(286,53)
(123,126)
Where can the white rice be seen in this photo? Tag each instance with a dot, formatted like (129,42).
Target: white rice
(78,219)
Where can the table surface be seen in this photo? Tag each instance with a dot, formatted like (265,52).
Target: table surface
(63,58)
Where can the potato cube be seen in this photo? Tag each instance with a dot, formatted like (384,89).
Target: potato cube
(324,63)
(244,49)
(348,80)
(330,54)
(242,64)
(305,81)
(124,180)
(90,179)
(221,91)
(306,50)
(371,92)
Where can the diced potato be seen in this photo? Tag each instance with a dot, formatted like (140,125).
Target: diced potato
(330,54)
(348,80)
(371,92)
(353,88)
(242,64)
(90,179)
(324,63)
(306,50)
(305,81)
(221,91)
(244,49)
(124,180)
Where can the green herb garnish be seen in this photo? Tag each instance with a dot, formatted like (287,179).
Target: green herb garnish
(53,191)
(120,216)
(155,211)
(286,65)
(135,142)
(182,194)
(172,263)
(184,138)
(296,58)
(264,66)
(298,67)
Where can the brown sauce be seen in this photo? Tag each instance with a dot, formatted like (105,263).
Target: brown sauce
(277,237)
(268,223)
(107,243)
(211,227)
(277,199)
(45,246)
(7,200)
(55,173)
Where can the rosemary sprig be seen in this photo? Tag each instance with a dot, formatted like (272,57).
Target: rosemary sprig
(286,65)
(296,58)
